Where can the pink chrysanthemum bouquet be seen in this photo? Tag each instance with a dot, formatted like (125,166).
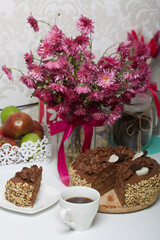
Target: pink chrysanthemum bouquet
(67,77)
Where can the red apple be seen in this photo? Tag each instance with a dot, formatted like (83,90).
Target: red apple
(4,140)
(38,129)
(18,124)
(2,131)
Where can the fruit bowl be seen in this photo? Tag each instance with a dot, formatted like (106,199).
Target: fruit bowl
(28,152)
(23,139)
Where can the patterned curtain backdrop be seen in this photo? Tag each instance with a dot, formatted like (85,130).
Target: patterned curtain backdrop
(113,19)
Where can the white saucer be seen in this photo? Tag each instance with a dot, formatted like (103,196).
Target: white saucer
(46,197)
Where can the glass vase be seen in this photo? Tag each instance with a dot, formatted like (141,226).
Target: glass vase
(134,128)
(101,136)
(73,145)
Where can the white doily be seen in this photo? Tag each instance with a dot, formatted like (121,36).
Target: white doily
(40,151)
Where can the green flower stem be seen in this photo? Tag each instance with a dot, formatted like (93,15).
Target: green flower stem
(44,22)
(56,17)
(109,48)
(18,70)
(90,46)
(38,60)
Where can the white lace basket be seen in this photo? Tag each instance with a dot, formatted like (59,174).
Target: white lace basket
(29,152)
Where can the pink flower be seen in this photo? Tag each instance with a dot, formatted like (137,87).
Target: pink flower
(33,22)
(81,112)
(52,43)
(85,25)
(28,82)
(88,55)
(60,63)
(115,114)
(58,87)
(71,96)
(153,44)
(141,51)
(131,76)
(96,96)
(106,80)
(52,65)
(8,72)
(43,95)
(111,99)
(112,118)
(124,50)
(29,58)
(81,43)
(55,39)
(126,96)
(143,88)
(60,75)
(82,89)
(92,66)
(62,108)
(134,51)
(85,75)
(109,64)
(36,72)
(68,46)
(44,49)
(54,35)
(99,116)
(144,72)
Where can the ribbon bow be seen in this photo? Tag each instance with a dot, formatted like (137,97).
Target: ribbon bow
(67,128)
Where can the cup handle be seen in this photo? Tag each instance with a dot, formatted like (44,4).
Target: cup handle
(66,216)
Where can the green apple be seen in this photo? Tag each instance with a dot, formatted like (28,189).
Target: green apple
(33,137)
(7,111)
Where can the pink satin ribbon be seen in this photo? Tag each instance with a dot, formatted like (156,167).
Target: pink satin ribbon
(67,128)
(152,89)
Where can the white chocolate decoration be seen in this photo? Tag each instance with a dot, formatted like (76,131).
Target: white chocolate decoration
(142,171)
(113,158)
(137,155)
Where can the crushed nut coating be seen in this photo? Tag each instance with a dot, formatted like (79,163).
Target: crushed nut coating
(19,194)
(143,193)
(75,179)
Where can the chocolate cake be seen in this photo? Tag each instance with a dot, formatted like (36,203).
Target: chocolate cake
(134,177)
(22,189)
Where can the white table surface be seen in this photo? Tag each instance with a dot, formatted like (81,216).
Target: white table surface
(47,225)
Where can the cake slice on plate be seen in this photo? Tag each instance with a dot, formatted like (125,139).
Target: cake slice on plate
(22,189)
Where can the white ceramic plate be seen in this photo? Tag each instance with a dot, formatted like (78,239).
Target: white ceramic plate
(46,197)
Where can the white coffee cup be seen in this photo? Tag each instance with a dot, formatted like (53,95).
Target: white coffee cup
(79,216)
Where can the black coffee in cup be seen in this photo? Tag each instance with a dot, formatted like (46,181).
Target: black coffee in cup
(79,200)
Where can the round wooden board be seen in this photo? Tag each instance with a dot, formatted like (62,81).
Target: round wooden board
(109,203)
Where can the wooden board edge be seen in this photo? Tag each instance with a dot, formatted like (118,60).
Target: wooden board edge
(116,207)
